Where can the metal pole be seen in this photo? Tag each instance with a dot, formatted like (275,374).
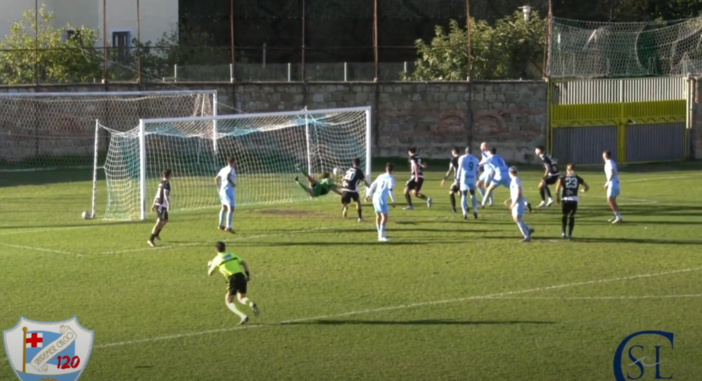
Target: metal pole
(375,40)
(302,68)
(104,41)
(264,55)
(547,66)
(36,42)
(138,41)
(231,31)
(95,167)
(469,61)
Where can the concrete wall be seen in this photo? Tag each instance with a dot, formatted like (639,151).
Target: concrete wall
(433,117)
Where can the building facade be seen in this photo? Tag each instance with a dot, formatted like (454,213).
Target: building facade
(155,17)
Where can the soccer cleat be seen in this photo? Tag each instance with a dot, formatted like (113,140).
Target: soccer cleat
(617,220)
(530,208)
(151,243)
(611,220)
(542,204)
(527,239)
(465,216)
(244,320)
(475,215)
(383,239)
(429,202)
(570,238)
(563,235)
(531,231)
(230,230)
(454,211)
(409,207)
(220,227)
(360,220)
(550,202)
(255,309)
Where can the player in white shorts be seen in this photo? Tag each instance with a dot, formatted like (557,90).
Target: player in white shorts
(516,204)
(226,182)
(612,186)
(485,177)
(381,188)
(466,173)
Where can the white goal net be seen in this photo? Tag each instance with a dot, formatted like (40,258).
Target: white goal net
(266,148)
(40,131)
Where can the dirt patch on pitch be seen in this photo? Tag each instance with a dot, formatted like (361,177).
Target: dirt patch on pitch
(289,213)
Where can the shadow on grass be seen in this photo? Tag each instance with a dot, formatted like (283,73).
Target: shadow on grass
(419,322)
(537,238)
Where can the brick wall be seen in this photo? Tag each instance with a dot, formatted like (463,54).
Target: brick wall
(431,116)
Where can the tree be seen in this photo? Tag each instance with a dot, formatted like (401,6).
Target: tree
(58,58)
(512,48)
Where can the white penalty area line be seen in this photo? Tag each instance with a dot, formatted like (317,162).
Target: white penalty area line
(398,307)
(41,249)
(622,297)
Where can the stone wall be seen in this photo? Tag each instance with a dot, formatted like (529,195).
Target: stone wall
(431,116)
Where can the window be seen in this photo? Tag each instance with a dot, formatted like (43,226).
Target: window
(121,42)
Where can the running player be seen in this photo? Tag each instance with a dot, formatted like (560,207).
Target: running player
(226,181)
(550,176)
(414,184)
(161,205)
(317,188)
(516,204)
(349,188)
(231,266)
(612,186)
(453,168)
(569,183)
(381,188)
(500,177)
(467,173)
(486,177)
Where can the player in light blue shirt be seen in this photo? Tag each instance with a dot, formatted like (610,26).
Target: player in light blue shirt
(516,204)
(467,174)
(381,188)
(612,186)
(226,182)
(486,177)
(500,177)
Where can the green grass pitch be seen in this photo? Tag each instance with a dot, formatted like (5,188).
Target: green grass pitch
(447,299)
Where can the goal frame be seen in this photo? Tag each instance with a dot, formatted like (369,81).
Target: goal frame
(304,112)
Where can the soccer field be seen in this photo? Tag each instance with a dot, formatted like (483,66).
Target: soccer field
(446,299)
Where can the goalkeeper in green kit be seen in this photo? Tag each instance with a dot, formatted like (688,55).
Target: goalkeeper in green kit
(316,188)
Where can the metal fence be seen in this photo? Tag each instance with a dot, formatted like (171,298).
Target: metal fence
(232,41)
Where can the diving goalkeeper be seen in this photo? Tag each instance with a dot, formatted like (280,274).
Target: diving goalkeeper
(317,188)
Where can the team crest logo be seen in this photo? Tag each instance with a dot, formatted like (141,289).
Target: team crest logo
(48,351)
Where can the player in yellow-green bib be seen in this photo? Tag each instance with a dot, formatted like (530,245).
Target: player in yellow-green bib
(237,273)
(317,188)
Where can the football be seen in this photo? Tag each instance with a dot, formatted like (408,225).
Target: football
(86,215)
(337,171)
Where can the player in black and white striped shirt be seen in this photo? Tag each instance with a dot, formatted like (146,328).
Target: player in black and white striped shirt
(161,205)
(349,192)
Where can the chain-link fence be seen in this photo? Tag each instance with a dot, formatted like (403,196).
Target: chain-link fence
(267,40)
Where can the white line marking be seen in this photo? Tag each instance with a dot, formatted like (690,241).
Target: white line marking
(623,297)
(40,249)
(657,178)
(400,307)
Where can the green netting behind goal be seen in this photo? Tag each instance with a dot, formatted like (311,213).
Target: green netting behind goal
(584,49)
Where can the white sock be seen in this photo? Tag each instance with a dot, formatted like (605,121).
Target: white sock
(474,201)
(382,231)
(482,192)
(377,227)
(233,308)
(230,216)
(464,204)
(523,228)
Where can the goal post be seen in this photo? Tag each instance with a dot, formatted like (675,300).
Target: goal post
(267,147)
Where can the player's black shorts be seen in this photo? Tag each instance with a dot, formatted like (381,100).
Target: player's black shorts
(347,197)
(569,207)
(454,187)
(162,213)
(551,179)
(237,284)
(415,185)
